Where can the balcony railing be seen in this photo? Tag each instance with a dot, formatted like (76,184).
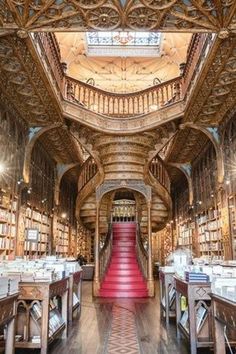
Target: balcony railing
(89,170)
(159,172)
(123,105)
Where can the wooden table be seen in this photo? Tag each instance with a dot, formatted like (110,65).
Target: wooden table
(196,294)
(224,314)
(41,293)
(7,318)
(166,280)
(75,286)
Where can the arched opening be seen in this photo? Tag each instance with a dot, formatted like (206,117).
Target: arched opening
(124,206)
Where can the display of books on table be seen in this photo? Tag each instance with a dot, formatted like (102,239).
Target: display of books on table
(171,297)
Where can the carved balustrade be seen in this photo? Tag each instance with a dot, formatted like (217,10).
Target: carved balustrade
(105,252)
(141,253)
(89,170)
(123,105)
(196,55)
(159,172)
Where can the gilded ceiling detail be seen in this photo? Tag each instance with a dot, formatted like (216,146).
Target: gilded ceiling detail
(81,15)
(123,74)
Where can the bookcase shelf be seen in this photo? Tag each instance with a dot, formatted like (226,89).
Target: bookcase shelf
(8,216)
(36,219)
(62,245)
(209,234)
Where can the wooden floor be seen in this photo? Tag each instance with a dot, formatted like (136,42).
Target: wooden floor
(90,335)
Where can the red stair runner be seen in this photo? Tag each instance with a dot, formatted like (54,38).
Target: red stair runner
(123,277)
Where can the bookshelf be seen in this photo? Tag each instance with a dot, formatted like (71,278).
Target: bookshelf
(7,319)
(232,222)
(62,246)
(40,221)
(186,233)
(209,235)
(8,216)
(195,321)
(42,310)
(73,242)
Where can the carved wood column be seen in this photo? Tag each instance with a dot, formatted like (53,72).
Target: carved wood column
(96,280)
(150,279)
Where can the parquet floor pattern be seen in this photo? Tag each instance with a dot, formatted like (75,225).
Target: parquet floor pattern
(123,336)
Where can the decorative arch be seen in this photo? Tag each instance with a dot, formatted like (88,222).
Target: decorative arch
(214,136)
(62,169)
(186,169)
(33,135)
(135,185)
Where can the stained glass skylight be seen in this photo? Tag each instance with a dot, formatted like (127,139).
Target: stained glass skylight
(123,43)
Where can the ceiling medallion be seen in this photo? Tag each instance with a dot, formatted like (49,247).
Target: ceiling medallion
(142,18)
(105,17)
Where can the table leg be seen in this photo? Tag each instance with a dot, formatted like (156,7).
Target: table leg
(219,340)
(44,326)
(178,313)
(167,302)
(192,326)
(10,340)
(64,312)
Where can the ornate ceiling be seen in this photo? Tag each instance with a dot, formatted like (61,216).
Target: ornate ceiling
(126,74)
(81,15)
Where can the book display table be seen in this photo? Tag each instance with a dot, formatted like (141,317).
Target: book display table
(75,294)
(42,313)
(224,314)
(195,322)
(167,294)
(7,318)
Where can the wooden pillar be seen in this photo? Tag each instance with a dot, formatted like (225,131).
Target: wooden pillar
(96,280)
(150,279)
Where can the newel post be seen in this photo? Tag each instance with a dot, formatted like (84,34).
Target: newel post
(150,279)
(96,280)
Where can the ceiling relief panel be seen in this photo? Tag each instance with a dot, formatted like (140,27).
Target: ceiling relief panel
(22,84)
(216,95)
(81,15)
(123,74)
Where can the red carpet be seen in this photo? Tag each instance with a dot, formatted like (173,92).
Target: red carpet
(124,278)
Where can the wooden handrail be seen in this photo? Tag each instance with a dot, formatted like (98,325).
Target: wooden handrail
(105,252)
(122,105)
(159,172)
(88,171)
(141,253)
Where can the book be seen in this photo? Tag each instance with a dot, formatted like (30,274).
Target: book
(200,316)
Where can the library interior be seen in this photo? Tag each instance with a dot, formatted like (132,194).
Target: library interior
(117,176)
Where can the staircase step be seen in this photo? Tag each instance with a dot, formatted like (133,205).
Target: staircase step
(123,272)
(124,294)
(123,254)
(123,266)
(119,260)
(121,286)
(123,249)
(124,243)
(123,279)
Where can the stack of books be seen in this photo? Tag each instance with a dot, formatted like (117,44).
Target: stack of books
(193,277)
